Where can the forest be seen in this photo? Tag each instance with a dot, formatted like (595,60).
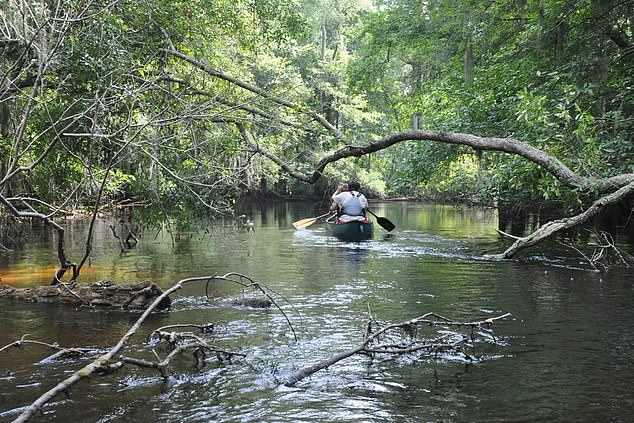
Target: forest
(176,111)
(185,107)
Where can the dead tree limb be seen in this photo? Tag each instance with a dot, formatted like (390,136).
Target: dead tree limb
(180,343)
(606,244)
(60,352)
(603,250)
(551,228)
(106,362)
(372,343)
(197,347)
(100,363)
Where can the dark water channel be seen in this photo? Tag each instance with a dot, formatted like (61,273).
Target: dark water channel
(565,354)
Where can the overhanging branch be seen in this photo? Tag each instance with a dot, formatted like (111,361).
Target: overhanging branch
(506,145)
(215,73)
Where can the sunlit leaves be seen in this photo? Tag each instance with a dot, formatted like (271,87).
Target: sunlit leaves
(547,72)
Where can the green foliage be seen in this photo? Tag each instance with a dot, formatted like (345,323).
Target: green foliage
(559,78)
(554,78)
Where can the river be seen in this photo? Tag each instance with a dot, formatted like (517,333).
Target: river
(564,354)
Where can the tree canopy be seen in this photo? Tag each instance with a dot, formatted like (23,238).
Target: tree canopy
(189,105)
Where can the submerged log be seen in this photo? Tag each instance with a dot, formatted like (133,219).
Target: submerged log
(106,293)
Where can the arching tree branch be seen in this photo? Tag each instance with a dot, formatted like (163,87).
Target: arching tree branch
(616,188)
(507,145)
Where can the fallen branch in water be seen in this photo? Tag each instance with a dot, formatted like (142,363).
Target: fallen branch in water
(182,342)
(197,345)
(606,245)
(604,252)
(60,351)
(395,342)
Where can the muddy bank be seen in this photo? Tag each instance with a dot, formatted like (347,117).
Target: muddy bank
(103,294)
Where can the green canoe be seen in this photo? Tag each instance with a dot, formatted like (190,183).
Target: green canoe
(351,231)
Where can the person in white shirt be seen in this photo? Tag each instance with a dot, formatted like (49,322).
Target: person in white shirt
(349,203)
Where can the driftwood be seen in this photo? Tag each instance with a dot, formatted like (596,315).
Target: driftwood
(104,293)
(403,338)
(179,342)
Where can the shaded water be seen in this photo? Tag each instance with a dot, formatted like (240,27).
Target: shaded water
(564,355)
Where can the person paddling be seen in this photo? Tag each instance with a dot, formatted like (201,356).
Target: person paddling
(349,203)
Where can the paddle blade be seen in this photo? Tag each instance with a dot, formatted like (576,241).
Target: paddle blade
(304,223)
(385,223)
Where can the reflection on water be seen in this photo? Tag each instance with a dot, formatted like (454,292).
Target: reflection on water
(565,355)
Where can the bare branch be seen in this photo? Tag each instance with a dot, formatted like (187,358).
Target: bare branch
(213,72)
(371,341)
(100,362)
(105,363)
(551,228)
(60,351)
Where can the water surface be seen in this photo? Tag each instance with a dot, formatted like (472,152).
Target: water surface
(564,354)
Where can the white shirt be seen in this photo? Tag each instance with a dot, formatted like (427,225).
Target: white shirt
(352,203)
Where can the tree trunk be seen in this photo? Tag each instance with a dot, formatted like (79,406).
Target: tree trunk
(562,29)
(5,119)
(468,57)
(541,25)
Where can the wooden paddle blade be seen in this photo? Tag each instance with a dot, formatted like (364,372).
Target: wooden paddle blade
(309,221)
(385,223)
(304,223)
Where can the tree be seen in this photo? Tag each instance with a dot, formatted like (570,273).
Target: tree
(539,69)
(176,104)
(90,105)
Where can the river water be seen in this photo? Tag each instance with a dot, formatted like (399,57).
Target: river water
(564,354)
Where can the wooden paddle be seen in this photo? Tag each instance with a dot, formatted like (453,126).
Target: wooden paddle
(383,222)
(304,223)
